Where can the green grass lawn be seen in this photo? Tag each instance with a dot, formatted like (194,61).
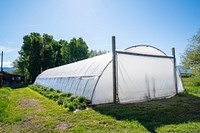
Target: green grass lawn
(24,110)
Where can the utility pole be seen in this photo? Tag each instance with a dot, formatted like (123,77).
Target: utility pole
(2,61)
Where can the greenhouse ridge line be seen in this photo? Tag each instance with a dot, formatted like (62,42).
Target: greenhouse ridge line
(148,55)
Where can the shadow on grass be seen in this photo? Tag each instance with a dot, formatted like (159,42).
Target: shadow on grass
(153,114)
(16,85)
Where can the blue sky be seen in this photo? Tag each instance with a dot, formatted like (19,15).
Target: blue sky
(160,23)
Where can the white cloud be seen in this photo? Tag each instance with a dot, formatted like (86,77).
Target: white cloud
(33,25)
(7,49)
(7,64)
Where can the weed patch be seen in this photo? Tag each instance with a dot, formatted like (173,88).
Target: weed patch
(63,125)
(29,102)
(4,103)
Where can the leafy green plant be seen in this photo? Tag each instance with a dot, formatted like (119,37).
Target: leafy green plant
(81,99)
(65,104)
(66,99)
(72,97)
(51,89)
(50,95)
(75,102)
(82,106)
(69,94)
(55,96)
(71,106)
(58,91)
(48,89)
(60,101)
(45,93)
(63,94)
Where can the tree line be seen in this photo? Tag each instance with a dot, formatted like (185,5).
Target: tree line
(41,52)
(191,57)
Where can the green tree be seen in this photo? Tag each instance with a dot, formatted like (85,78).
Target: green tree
(46,52)
(191,57)
(34,67)
(29,63)
(64,52)
(93,53)
(51,52)
(39,53)
(21,67)
(56,57)
(78,50)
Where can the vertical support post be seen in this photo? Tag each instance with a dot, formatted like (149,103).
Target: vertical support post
(114,70)
(175,76)
(2,61)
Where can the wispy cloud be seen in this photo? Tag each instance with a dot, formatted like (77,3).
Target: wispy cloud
(33,25)
(7,49)
(7,64)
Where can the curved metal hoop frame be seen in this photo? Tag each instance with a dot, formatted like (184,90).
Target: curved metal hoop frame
(146,46)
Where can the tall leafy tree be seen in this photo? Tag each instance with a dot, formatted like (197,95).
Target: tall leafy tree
(47,52)
(28,63)
(34,58)
(21,66)
(39,53)
(56,57)
(64,52)
(191,57)
(78,50)
(93,53)
(82,49)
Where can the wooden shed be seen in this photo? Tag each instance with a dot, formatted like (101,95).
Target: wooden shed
(7,78)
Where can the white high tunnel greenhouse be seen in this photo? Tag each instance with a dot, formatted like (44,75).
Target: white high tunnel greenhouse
(143,73)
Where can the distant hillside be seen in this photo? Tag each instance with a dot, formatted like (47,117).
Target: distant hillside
(8,69)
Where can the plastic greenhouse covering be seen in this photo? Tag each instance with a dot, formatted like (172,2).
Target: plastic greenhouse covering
(143,73)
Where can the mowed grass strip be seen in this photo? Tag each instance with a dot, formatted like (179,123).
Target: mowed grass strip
(31,112)
(35,113)
(191,87)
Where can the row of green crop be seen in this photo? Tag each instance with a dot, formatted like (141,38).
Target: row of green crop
(4,103)
(67,100)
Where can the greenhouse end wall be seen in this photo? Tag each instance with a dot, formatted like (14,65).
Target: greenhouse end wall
(142,78)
